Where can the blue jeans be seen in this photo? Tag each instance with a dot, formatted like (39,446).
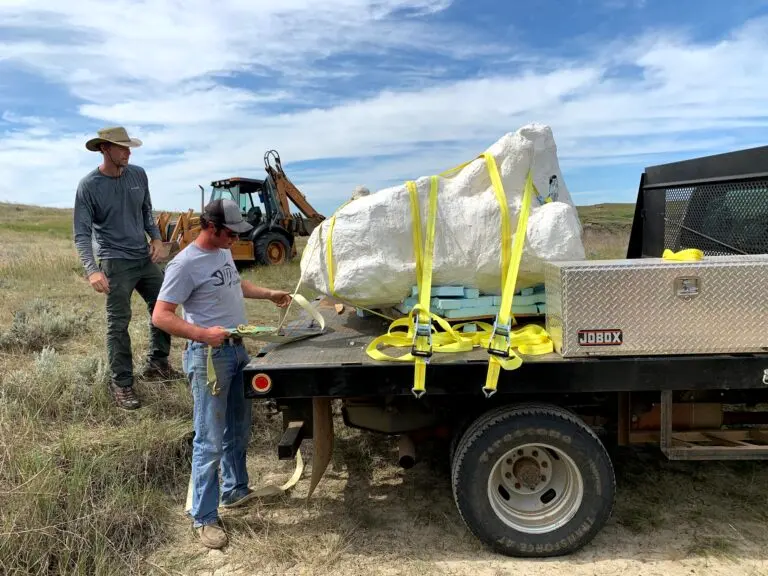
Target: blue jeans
(222,428)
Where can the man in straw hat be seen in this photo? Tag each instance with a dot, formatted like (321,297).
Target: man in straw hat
(113,205)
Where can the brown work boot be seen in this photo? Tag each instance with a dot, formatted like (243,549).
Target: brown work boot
(124,396)
(161,370)
(212,536)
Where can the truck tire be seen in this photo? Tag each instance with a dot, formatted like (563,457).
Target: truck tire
(532,480)
(272,249)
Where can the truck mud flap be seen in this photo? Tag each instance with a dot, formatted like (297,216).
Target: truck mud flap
(322,435)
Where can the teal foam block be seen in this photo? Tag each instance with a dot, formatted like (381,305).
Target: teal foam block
(459,303)
(485,311)
(538,289)
(446,304)
(441,291)
(472,312)
(525,309)
(469,328)
(452,302)
(406,305)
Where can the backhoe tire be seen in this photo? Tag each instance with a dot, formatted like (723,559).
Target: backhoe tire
(272,249)
(532,480)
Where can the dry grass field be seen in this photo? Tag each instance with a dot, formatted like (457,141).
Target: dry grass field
(86,488)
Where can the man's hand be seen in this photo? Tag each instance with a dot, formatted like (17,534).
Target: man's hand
(156,250)
(280,298)
(215,336)
(99,282)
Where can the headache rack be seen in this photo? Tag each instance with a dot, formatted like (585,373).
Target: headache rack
(718,204)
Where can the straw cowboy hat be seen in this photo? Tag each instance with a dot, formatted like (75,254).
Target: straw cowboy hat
(116,135)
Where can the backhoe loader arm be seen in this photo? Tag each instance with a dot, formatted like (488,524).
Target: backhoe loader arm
(286,189)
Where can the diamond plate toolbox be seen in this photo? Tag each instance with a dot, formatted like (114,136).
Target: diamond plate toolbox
(652,306)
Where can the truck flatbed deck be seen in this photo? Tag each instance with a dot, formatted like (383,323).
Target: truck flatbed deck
(335,364)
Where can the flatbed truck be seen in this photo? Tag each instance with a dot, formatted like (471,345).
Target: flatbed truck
(531,471)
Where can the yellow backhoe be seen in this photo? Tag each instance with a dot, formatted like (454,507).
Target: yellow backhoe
(264,204)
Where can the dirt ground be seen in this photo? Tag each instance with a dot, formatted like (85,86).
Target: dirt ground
(368,516)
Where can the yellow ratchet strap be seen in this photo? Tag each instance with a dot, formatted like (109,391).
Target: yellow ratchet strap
(420,318)
(502,339)
(419,329)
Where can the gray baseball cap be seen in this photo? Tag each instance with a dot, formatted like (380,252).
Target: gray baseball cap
(225,212)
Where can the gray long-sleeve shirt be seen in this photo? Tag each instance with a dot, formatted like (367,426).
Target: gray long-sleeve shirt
(117,212)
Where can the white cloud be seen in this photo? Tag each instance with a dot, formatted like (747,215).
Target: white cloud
(13,118)
(207,102)
(211,87)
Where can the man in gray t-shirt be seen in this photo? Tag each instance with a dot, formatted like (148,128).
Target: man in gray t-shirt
(113,207)
(206,283)
(203,279)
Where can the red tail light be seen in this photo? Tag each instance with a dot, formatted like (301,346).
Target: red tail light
(261,383)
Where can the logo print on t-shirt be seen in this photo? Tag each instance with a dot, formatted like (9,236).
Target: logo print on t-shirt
(225,275)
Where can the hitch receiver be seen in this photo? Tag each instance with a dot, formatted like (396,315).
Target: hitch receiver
(291,440)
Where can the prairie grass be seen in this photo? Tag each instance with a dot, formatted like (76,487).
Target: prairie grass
(40,324)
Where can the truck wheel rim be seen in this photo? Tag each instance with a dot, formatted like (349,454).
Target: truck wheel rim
(535,488)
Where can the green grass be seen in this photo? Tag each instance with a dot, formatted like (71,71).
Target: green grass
(607,215)
(88,499)
(25,219)
(40,324)
(49,227)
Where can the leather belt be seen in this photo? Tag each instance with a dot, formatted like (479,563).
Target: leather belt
(231,341)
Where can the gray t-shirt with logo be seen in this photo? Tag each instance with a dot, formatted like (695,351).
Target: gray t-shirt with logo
(206,284)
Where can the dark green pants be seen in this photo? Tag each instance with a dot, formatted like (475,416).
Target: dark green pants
(124,277)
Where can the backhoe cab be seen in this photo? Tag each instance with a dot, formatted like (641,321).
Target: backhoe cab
(264,205)
(269,242)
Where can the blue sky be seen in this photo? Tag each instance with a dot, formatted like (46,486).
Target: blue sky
(372,92)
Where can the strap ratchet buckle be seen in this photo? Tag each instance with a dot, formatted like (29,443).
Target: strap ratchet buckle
(422,330)
(503,330)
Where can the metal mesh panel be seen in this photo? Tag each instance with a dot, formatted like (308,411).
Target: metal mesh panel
(720,219)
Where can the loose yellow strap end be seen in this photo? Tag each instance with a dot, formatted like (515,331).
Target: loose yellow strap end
(419,378)
(492,379)
(691,254)
(210,370)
